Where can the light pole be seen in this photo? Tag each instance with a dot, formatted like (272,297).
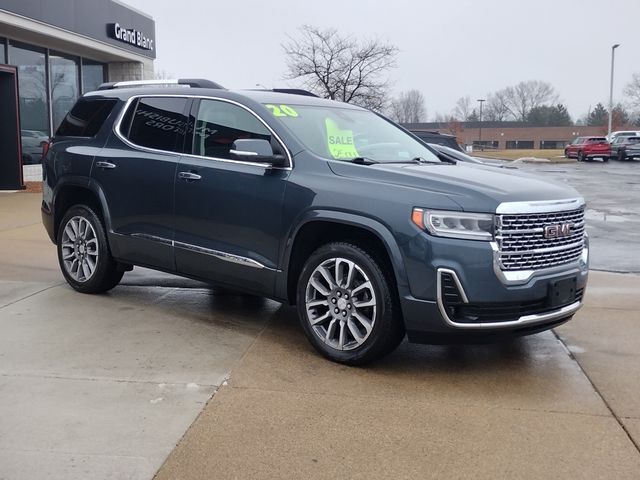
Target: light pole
(613,57)
(481,101)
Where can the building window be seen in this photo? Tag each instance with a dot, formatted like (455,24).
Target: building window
(3,53)
(93,74)
(34,108)
(519,144)
(552,144)
(485,144)
(64,82)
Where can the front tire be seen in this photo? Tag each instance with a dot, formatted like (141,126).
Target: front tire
(83,252)
(346,305)
(621,156)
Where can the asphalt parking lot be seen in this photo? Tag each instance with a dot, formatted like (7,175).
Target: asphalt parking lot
(612,191)
(107,386)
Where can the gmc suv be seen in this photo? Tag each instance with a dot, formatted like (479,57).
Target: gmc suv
(311,202)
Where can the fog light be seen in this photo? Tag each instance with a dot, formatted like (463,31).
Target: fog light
(584,259)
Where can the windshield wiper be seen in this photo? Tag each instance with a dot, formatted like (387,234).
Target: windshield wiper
(371,161)
(363,161)
(421,160)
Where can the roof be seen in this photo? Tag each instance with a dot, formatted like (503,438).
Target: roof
(259,96)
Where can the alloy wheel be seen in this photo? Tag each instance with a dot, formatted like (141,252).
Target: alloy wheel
(340,303)
(79,249)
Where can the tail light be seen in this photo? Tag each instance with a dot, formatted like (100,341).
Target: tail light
(46,146)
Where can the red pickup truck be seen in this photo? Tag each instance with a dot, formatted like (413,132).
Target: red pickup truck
(584,148)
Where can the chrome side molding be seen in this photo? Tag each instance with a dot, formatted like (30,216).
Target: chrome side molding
(227,257)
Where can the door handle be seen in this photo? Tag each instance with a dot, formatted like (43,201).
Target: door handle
(189,176)
(103,164)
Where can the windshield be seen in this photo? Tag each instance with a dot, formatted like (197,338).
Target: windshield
(344,134)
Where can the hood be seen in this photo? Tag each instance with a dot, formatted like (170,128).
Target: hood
(475,187)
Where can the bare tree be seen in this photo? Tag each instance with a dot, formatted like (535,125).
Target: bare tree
(496,107)
(524,96)
(162,75)
(340,68)
(632,90)
(462,111)
(408,107)
(441,117)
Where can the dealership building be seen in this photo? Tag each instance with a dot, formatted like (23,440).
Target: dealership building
(64,48)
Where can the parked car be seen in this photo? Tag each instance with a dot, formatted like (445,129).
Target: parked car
(585,148)
(315,203)
(437,138)
(625,148)
(32,143)
(623,133)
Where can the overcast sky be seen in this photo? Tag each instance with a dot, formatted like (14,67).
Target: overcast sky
(447,49)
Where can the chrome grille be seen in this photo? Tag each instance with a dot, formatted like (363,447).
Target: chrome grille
(523,246)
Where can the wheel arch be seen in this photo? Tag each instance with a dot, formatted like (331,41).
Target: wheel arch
(72,191)
(320,227)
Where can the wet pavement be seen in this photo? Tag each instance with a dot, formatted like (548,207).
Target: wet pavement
(105,386)
(612,192)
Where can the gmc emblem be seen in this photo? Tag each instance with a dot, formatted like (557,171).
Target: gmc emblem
(557,231)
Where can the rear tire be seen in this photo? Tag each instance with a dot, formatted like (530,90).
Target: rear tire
(621,156)
(347,306)
(581,157)
(83,252)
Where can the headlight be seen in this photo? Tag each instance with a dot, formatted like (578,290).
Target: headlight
(468,226)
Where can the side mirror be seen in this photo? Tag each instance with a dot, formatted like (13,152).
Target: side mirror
(255,150)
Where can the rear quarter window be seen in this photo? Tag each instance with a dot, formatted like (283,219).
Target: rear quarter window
(86,117)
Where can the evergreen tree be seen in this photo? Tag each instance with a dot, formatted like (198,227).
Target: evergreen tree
(598,116)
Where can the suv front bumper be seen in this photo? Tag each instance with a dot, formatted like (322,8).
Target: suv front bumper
(472,300)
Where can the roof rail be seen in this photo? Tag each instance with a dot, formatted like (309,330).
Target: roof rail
(295,91)
(185,82)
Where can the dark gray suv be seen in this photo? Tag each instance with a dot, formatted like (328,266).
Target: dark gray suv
(310,202)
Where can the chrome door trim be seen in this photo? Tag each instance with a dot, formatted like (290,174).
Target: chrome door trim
(153,238)
(227,257)
(131,99)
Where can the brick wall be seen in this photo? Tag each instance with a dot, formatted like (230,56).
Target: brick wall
(506,134)
(536,135)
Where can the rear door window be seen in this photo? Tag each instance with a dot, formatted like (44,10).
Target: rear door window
(157,122)
(86,117)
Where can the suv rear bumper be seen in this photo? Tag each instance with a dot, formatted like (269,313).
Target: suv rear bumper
(47,221)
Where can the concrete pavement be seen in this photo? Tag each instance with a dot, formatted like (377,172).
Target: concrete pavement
(105,386)
(525,409)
